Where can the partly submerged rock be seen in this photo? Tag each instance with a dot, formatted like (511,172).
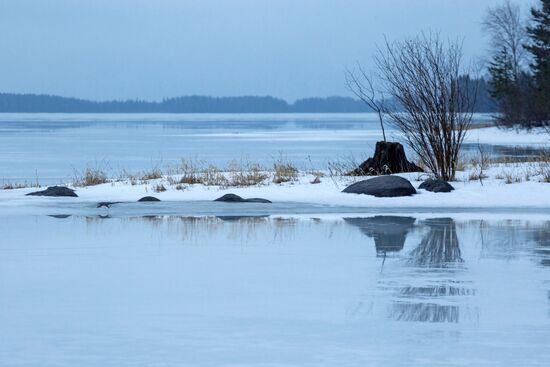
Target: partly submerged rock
(436,185)
(232,198)
(148,198)
(382,186)
(106,204)
(55,191)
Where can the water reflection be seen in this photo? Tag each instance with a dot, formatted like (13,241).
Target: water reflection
(431,298)
(436,299)
(389,232)
(428,278)
(440,246)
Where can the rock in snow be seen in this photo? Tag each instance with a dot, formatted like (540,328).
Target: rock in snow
(148,198)
(232,198)
(55,191)
(436,185)
(382,186)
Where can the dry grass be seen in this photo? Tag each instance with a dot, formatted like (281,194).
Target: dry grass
(236,174)
(342,167)
(247,174)
(14,186)
(284,171)
(159,188)
(544,167)
(510,178)
(152,174)
(90,177)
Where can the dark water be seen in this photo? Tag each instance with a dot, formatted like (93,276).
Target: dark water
(108,289)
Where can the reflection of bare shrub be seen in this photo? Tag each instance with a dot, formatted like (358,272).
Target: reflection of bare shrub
(425,312)
(440,246)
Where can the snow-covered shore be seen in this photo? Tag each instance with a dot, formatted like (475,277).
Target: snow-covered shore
(507,186)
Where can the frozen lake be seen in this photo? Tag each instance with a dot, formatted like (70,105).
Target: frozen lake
(198,283)
(51,147)
(409,289)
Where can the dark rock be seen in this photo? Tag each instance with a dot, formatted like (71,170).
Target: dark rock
(55,191)
(232,198)
(382,186)
(389,157)
(59,216)
(436,185)
(106,204)
(148,198)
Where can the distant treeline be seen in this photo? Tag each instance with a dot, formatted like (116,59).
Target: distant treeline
(29,103)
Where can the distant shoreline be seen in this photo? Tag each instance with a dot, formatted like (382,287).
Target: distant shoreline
(44,103)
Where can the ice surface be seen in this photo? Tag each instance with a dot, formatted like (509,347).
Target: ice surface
(273,290)
(50,147)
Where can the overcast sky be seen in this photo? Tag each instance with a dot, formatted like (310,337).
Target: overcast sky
(103,49)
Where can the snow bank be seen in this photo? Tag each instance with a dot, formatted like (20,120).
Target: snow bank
(494,192)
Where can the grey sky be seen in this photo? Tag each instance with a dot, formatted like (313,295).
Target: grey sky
(105,49)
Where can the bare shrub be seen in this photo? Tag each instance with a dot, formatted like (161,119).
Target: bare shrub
(424,76)
(480,164)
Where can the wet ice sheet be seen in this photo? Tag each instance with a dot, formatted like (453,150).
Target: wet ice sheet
(273,290)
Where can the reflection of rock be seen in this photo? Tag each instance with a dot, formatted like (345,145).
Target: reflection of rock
(59,216)
(440,246)
(232,198)
(389,232)
(238,218)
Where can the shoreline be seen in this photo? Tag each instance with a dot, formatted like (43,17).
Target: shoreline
(517,185)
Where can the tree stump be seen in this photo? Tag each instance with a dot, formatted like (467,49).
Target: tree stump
(389,157)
